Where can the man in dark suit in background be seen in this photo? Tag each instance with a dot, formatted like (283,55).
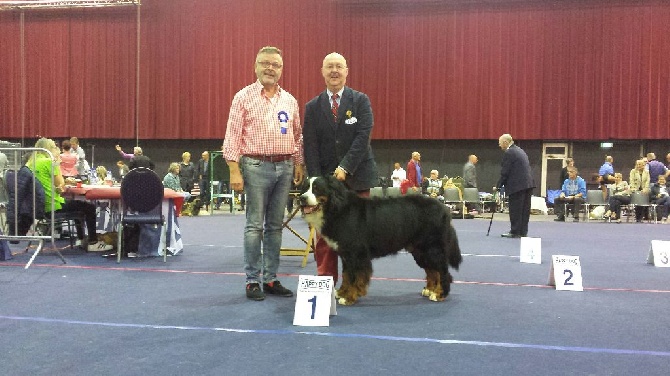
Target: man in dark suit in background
(203,174)
(336,134)
(517,178)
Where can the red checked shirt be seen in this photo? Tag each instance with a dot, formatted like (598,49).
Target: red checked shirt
(254,126)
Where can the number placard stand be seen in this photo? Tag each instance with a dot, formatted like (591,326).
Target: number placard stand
(566,273)
(315,301)
(531,250)
(659,253)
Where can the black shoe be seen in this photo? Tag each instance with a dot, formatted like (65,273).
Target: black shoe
(275,288)
(510,235)
(254,292)
(576,219)
(559,219)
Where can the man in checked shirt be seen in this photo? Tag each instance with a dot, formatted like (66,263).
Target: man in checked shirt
(263,149)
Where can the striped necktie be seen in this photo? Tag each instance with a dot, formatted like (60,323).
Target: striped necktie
(334,107)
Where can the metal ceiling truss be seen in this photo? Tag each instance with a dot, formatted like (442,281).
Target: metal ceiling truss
(36,4)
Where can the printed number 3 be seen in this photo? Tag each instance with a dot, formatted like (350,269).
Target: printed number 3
(313,301)
(567,280)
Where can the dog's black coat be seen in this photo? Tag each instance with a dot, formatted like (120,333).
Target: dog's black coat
(367,228)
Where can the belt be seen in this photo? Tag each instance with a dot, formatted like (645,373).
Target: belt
(271,158)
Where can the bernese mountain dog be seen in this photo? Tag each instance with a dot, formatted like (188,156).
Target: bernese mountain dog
(362,229)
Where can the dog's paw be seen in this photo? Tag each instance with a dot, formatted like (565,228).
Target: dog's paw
(344,301)
(425,292)
(435,298)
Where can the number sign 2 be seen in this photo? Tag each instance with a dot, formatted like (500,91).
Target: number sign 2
(566,273)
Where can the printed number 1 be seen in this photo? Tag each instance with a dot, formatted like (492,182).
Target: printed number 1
(567,280)
(313,301)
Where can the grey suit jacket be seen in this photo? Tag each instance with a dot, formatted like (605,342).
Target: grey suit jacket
(346,143)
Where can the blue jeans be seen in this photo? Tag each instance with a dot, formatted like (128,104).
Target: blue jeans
(267,185)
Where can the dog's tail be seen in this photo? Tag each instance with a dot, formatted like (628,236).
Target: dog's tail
(453,250)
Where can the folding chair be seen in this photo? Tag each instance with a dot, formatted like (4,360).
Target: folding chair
(639,199)
(376,192)
(393,192)
(141,203)
(453,196)
(594,197)
(471,196)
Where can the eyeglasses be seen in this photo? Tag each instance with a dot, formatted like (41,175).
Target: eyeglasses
(268,64)
(337,67)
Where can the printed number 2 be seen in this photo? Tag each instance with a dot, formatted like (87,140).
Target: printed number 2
(567,280)
(313,301)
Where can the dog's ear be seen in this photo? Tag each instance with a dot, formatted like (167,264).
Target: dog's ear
(304,186)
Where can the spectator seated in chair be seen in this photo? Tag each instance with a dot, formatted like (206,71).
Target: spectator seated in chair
(620,195)
(42,166)
(660,196)
(432,186)
(171,180)
(573,193)
(449,184)
(638,181)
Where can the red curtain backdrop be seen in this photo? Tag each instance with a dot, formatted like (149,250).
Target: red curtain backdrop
(552,70)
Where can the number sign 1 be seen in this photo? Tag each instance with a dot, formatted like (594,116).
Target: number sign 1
(566,273)
(315,301)
(659,253)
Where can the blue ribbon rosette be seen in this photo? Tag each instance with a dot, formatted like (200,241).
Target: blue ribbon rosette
(283,121)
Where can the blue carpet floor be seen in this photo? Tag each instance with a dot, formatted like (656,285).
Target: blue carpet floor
(189,316)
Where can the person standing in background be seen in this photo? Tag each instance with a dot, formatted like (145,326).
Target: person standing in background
(186,172)
(123,154)
(569,162)
(414,171)
(3,161)
(202,171)
(398,175)
(337,130)
(140,160)
(68,164)
(263,149)
(470,172)
(606,173)
(517,178)
(82,165)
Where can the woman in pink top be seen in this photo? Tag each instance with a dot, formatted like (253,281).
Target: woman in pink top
(68,164)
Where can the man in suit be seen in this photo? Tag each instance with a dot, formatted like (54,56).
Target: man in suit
(470,172)
(202,171)
(517,178)
(336,134)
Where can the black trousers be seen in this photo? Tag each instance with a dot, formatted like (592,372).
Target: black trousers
(89,216)
(574,204)
(519,211)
